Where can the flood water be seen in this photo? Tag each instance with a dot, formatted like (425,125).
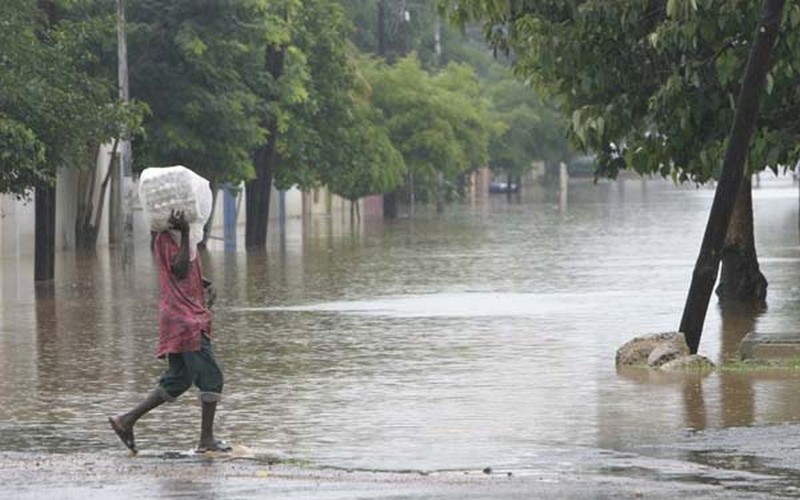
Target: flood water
(483,336)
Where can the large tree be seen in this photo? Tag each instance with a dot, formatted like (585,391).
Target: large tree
(187,62)
(533,128)
(370,164)
(54,110)
(306,93)
(440,123)
(22,152)
(651,85)
(319,125)
(92,27)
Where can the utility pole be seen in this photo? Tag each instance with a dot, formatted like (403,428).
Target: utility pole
(122,209)
(389,199)
(437,47)
(404,17)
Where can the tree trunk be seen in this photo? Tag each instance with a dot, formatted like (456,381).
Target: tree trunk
(86,187)
(439,192)
(44,260)
(87,222)
(741,280)
(411,195)
(382,28)
(45,250)
(461,185)
(266,162)
(508,186)
(390,205)
(707,265)
(258,194)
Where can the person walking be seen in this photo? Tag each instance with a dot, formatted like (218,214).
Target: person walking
(184,338)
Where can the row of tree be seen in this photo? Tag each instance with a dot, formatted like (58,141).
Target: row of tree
(364,97)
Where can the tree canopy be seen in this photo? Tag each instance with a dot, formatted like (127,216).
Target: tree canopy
(188,61)
(439,123)
(533,129)
(55,108)
(649,85)
(202,83)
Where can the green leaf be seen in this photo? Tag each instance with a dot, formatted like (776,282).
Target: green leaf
(672,9)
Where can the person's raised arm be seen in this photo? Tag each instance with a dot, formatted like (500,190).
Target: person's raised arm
(180,263)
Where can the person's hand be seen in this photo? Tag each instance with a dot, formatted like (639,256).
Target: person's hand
(178,221)
(209,292)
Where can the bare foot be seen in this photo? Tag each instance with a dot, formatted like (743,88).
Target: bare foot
(125,435)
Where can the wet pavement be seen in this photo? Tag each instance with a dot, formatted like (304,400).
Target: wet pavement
(604,475)
(439,344)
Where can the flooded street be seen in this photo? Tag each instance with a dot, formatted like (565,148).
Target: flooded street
(482,337)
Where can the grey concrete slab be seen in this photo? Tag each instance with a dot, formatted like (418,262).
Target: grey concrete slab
(770,347)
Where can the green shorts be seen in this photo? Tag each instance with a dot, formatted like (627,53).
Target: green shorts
(198,368)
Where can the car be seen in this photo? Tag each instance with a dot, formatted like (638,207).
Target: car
(502,187)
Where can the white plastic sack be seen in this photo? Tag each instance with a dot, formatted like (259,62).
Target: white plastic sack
(162,190)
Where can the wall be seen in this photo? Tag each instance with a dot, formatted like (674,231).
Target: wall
(16,227)
(17,217)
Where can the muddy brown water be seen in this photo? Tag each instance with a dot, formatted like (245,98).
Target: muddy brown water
(483,336)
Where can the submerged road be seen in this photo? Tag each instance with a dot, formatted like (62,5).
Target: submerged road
(749,462)
(89,476)
(401,359)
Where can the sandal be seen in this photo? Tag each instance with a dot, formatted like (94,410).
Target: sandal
(217,447)
(126,436)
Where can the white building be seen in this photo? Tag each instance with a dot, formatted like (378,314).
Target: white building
(17,216)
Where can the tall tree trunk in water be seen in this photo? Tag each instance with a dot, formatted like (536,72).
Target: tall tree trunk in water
(258,193)
(439,192)
(741,280)
(87,222)
(355,213)
(44,260)
(45,234)
(390,205)
(707,265)
(266,161)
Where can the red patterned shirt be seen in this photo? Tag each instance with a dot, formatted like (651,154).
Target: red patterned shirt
(182,312)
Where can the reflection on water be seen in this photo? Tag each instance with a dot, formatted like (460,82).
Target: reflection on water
(486,335)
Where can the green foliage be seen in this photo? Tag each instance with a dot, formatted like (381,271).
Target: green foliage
(369,164)
(21,151)
(55,109)
(210,78)
(533,130)
(439,123)
(408,26)
(333,137)
(318,109)
(363,16)
(21,158)
(188,62)
(650,86)
(326,133)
